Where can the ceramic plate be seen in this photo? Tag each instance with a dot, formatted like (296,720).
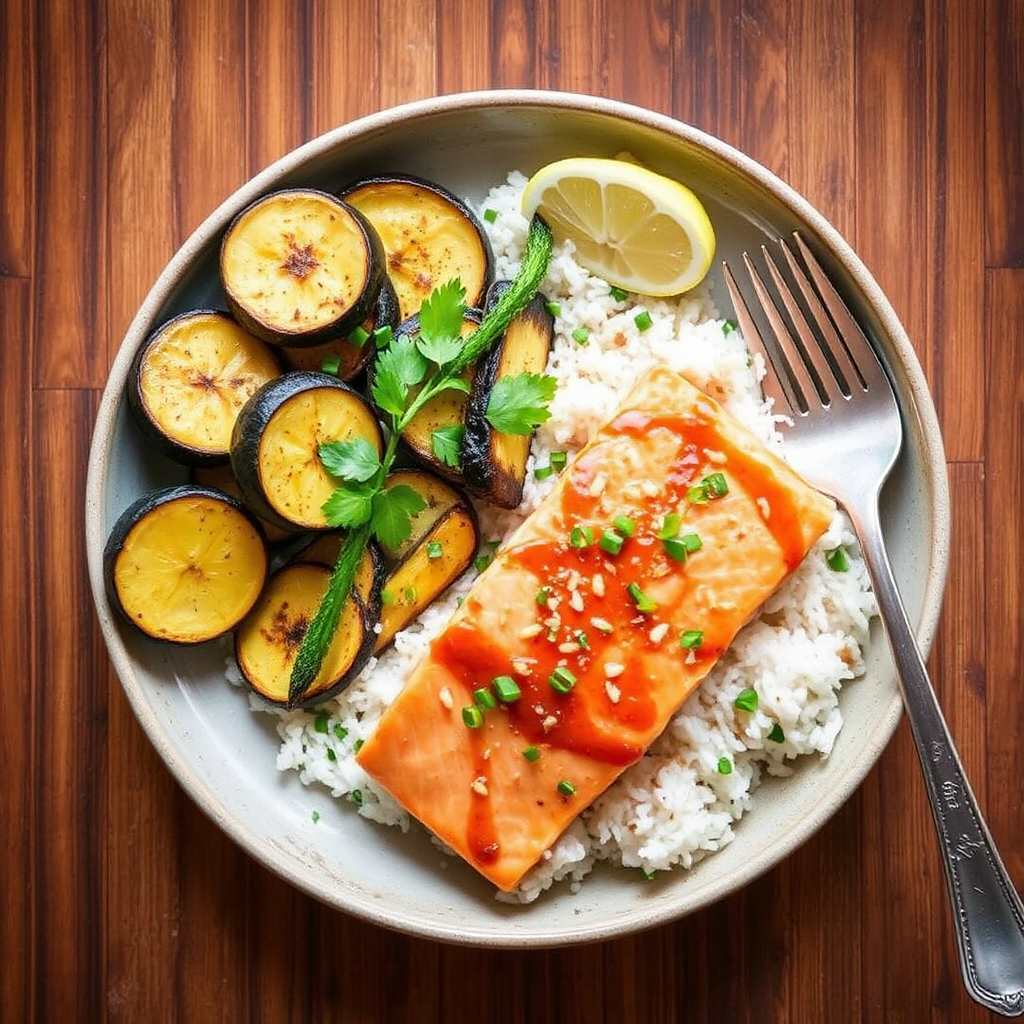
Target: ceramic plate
(223,754)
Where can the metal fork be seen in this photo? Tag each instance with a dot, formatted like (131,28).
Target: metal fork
(845,437)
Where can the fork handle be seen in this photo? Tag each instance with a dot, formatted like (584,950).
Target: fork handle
(988,918)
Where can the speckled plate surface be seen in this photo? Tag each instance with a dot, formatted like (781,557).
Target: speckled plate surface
(223,754)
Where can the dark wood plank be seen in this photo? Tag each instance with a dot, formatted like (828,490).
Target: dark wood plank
(17,34)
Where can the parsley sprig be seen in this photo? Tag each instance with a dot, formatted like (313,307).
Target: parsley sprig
(410,371)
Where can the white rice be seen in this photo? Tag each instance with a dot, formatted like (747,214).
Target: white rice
(674,806)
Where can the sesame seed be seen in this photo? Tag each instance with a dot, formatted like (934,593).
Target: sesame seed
(657,634)
(601,624)
(597,485)
(574,580)
(613,669)
(520,667)
(528,632)
(553,622)
(597,584)
(445,697)
(714,456)
(568,648)
(554,602)
(479,785)
(576,601)
(650,489)
(549,723)
(613,692)
(765,508)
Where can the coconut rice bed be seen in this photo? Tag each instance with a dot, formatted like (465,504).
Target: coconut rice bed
(683,798)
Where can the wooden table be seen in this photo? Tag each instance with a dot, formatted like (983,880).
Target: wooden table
(124,123)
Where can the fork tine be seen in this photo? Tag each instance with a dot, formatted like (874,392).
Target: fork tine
(794,366)
(849,342)
(774,385)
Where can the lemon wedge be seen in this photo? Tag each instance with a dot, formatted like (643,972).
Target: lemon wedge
(635,228)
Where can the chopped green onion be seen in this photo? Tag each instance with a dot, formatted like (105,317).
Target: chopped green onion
(473,717)
(648,875)
(359,336)
(331,363)
(316,817)
(692,542)
(728,326)
(716,485)
(382,336)
(481,562)
(581,536)
(618,294)
(531,754)
(357,746)
(409,593)
(559,460)
(581,335)
(485,699)
(697,494)
(434,549)
(643,602)
(490,216)
(320,723)
(357,797)
(670,526)
(507,689)
(566,788)
(541,597)
(691,639)
(724,766)
(625,525)
(746,700)
(387,596)
(777,735)
(562,680)
(331,755)
(554,308)
(340,732)
(542,472)
(675,548)
(581,639)
(643,320)
(612,541)
(837,560)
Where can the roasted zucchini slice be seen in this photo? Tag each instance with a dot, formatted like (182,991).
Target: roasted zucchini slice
(429,236)
(185,563)
(353,353)
(324,549)
(444,412)
(221,477)
(494,464)
(188,382)
(275,448)
(268,641)
(444,540)
(300,267)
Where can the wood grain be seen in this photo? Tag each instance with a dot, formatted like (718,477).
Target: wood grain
(125,123)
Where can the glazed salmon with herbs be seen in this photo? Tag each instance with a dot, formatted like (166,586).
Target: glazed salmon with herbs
(592,625)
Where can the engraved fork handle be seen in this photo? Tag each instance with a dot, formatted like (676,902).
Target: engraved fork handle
(988,918)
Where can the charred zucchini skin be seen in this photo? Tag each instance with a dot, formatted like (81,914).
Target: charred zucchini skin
(269,622)
(150,504)
(447,409)
(494,464)
(162,436)
(353,359)
(349,317)
(414,267)
(254,420)
(324,549)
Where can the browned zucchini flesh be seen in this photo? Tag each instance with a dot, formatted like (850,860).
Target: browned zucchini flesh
(268,641)
(300,267)
(222,477)
(185,563)
(493,463)
(189,381)
(445,412)
(430,237)
(275,449)
(347,357)
(444,540)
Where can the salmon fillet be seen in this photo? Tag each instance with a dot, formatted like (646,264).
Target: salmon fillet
(603,646)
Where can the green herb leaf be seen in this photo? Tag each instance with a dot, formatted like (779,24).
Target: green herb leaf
(348,507)
(446,444)
(392,508)
(441,317)
(355,459)
(399,367)
(519,403)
